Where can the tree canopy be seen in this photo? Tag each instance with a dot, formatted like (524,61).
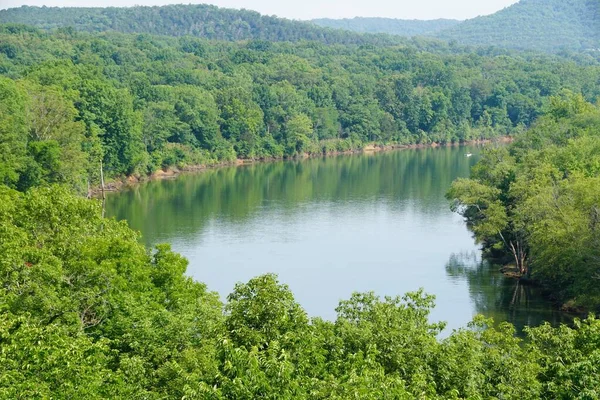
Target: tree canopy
(541,25)
(89,312)
(136,103)
(200,20)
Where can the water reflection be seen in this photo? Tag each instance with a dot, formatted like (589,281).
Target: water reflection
(163,210)
(499,297)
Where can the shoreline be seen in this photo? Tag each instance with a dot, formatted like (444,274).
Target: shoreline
(567,307)
(118,185)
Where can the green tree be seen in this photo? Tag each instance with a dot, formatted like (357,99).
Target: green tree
(108,114)
(486,204)
(299,133)
(197,109)
(13,131)
(262,311)
(242,120)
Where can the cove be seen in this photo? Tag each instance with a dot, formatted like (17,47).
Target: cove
(331,226)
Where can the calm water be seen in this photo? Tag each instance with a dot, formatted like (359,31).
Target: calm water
(332,226)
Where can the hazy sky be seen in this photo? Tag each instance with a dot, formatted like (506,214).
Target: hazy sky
(308,9)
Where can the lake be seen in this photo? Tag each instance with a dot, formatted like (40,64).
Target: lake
(331,226)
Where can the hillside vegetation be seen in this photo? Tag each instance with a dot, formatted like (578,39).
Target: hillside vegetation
(547,25)
(543,25)
(201,20)
(138,103)
(390,26)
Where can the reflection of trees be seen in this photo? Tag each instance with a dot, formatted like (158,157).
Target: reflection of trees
(183,206)
(499,297)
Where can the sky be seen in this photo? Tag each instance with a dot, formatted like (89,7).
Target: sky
(309,9)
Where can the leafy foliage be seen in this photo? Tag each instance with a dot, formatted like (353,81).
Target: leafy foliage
(541,25)
(86,311)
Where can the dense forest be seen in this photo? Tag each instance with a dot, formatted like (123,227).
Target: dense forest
(89,312)
(537,202)
(541,25)
(134,104)
(545,25)
(400,27)
(200,20)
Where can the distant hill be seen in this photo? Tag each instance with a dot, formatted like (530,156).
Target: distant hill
(200,20)
(401,27)
(544,25)
(547,25)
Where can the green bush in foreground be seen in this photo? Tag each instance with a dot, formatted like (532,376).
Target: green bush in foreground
(88,312)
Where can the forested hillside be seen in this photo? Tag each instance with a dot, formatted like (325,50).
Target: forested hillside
(138,103)
(390,26)
(200,20)
(544,25)
(547,25)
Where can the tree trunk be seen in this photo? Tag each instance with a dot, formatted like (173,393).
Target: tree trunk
(520,257)
(102,185)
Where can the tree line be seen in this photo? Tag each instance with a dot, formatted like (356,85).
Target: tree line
(400,27)
(199,20)
(137,103)
(540,25)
